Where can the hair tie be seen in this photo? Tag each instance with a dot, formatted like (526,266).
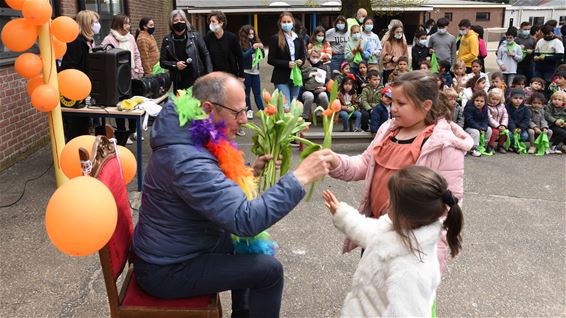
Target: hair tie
(449,199)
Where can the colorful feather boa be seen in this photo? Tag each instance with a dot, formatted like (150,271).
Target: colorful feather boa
(206,134)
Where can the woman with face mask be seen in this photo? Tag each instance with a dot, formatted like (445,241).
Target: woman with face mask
(120,37)
(149,52)
(337,37)
(223,46)
(374,45)
(76,57)
(318,41)
(393,49)
(286,50)
(183,52)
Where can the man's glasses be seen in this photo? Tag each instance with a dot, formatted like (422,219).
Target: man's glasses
(237,113)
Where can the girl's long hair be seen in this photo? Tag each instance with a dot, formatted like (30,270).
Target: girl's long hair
(280,34)
(244,40)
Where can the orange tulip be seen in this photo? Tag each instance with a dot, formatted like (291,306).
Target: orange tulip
(329,85)
(270,110)
(327,112)
(266,96)
(336,106)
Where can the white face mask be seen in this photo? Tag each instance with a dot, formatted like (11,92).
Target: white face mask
(356,36)
(251,36)
(463,32)
(315,60)
(398,36)
(442,31)
(96,27)
(214,27)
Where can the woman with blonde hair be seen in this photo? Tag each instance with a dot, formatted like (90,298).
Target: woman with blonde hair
(75,57)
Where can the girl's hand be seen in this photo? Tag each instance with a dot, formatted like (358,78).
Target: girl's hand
(299,62)
(545,129)
(537,130)
(291,64)
(501,128)
(330,201)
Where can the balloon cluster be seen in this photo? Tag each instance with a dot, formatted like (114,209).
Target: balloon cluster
(81,215)
(20,34)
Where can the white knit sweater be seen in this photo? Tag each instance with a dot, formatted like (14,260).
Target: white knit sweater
(390,281)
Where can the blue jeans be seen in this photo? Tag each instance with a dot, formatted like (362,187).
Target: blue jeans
(289,91)
(345,119)
(335,62)
(256,281)
(253,82)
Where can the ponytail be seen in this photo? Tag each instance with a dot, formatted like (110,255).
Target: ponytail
(453,223)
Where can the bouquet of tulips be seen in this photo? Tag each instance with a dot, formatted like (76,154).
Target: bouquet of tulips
(327,124)
(277,129)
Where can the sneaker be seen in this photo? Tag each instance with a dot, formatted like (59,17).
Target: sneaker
(358,130)
(241,132)
(501,149)
(250,114)
(489,149)
(135,137)
(532,150)
(129,141)
(556,150)
(475,153)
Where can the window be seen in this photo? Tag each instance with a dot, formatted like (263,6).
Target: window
(106,9)
(562,20)
(7,14)
(482,16)
(536,20)
(448,15)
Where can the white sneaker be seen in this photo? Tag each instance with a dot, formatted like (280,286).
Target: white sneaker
(475,153)
(129,141)
(250,114)
(135,136)
(556,150)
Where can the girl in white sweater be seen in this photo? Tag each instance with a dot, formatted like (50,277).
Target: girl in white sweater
(399,272)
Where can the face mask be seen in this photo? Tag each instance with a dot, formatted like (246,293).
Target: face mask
(340,26)
(423,42)
(525,33)
(463,32)
(214,27)
(251,36)
(361,20)
(179,26)
(150,30)
(509,42)
(319,39)
(287,27)
(442,31)
(96,27)
(356,36)
(398,36)
(368,27)
(315,61)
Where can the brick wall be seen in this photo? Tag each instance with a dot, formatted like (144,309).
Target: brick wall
(496,17)
(23,130)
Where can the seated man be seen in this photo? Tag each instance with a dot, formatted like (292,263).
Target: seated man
(190,208)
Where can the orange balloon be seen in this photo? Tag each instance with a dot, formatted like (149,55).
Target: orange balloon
(15,4)
(33,83)
(81,216)
(74,84)
(59,47)
(69,160)
(37,12)
(19,35)
(128,163)
(44,98)
(28,65)
(65,29)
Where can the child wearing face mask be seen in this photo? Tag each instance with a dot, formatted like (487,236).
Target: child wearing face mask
(420,51)
(318,41)
(337,37)
(354,46)
(509,55)
(374,45)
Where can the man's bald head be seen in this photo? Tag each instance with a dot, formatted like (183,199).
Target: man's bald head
(213,86)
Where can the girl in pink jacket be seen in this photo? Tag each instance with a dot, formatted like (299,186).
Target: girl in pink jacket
(419,133)
(498,118)
(121,38)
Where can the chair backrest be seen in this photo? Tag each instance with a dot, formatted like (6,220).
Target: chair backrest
(113,256)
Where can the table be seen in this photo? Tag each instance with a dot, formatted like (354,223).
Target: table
(113,112)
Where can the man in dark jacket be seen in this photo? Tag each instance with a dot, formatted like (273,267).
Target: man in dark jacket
(224,46)
(190,209)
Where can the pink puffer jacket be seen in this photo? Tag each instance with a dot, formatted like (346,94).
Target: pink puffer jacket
(443,152)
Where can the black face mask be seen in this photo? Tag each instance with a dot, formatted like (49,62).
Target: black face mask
(179,26)
(150,30)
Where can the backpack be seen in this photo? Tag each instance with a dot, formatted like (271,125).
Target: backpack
(482,49)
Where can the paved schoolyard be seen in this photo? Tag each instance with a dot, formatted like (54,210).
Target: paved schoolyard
(513,261)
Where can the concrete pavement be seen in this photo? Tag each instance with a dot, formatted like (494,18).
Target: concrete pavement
(513,261)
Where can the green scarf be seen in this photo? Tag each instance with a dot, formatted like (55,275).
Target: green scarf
(518,144)
(482,148)
(296,76)
(542,143)
(258,56)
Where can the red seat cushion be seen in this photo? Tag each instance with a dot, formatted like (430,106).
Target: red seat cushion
(135,296)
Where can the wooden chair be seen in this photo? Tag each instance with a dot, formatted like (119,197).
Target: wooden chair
(131,300)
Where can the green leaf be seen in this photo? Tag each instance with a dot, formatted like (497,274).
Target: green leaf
(286,160)
(309,150)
